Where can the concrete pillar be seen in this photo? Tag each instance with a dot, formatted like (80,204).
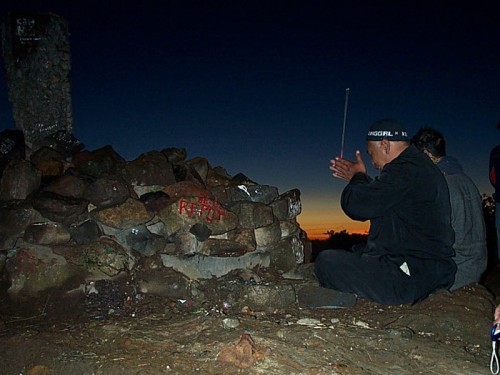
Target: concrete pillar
(37,60)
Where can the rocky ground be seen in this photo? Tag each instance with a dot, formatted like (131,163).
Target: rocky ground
(120,331)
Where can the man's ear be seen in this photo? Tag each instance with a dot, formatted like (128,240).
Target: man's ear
(386,145)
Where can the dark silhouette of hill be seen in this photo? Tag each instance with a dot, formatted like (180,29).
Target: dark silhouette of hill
(337,240)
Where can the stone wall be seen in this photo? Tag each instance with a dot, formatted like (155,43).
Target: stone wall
(94,214)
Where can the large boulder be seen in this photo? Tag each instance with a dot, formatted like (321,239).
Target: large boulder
(99,163)
(151,168)
(59,208)
(47,233)
(188,211)
(107,191)
(34,269)
(128,214)
(69,185)
(49,161)
(20,178)
(15,217)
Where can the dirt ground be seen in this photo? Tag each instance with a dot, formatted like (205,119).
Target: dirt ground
(120,331)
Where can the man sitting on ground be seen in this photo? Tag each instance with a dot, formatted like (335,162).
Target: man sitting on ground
(467,219)
(409,252)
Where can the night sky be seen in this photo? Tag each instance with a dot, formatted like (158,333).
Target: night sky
(258,87)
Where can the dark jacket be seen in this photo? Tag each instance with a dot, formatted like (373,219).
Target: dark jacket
(494,171)
(409,211)
(467,221)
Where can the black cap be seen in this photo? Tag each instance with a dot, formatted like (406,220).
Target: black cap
(387,129)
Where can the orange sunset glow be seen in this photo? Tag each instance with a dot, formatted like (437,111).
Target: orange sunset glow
(317,218)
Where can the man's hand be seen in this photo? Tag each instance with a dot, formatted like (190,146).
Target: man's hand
(345,169)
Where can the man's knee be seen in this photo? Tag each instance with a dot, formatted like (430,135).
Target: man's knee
(324,259)
(320,264)
(327,265)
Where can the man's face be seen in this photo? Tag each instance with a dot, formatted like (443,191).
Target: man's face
(378,153)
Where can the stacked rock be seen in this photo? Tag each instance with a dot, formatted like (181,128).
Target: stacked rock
(98,211)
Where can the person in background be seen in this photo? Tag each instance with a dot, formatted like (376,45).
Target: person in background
(493,174)
(408,254)
(467,219)
(496,315)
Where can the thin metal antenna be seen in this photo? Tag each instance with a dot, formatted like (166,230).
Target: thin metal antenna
(343,126)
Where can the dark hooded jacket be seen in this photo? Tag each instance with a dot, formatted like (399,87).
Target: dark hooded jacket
(467,221)
(409,210)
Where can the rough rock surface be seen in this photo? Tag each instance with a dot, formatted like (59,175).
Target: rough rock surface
(110,211)
(244,322)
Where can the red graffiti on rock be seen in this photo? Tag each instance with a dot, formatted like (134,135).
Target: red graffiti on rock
(202,207)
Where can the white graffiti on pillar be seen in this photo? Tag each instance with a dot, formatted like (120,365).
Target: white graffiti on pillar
(26,30)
